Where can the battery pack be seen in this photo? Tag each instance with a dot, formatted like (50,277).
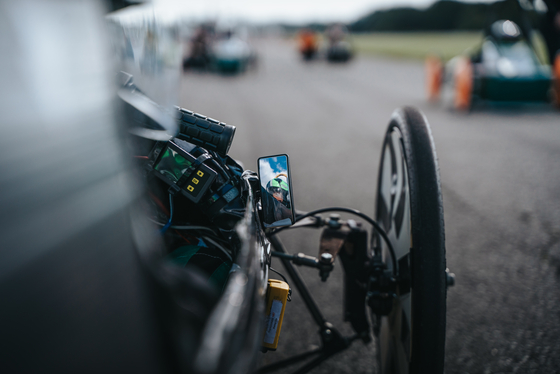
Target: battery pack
(276,299)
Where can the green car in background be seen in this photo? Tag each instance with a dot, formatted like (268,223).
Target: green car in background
(232,54)
(505,67)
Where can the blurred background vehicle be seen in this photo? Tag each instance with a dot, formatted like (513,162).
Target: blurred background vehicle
(308,43)
(505,67)
(199,49)
(220,49)
(339,48)
(231,53)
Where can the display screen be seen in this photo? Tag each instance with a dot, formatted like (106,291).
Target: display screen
(173,165)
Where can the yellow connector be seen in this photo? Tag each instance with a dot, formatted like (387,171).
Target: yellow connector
(276,298)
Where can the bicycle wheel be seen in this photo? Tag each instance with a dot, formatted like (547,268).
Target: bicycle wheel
(409,207)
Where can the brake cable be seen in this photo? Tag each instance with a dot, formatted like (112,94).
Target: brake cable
(357,213)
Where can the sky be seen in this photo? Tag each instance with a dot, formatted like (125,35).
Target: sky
(269,170)
(288,11)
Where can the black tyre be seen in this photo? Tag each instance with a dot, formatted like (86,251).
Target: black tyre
(411,339)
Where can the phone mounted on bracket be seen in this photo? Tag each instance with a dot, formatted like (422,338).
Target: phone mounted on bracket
(276,191)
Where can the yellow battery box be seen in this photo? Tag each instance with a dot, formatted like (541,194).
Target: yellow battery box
(276,299)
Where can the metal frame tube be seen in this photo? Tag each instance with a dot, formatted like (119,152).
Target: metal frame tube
(299,284)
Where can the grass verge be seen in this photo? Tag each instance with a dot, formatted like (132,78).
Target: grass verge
(418,45)
(415,45)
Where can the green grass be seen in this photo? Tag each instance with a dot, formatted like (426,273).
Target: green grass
(415,45)
(418,45)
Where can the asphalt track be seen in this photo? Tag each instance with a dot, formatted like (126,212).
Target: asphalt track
(500,177)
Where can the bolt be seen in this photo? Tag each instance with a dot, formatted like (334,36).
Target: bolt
(450,278)
(326,258)
(354,225)
(334,217)
(328,335)
(334,221)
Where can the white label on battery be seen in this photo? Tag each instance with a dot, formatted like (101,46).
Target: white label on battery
(272,322)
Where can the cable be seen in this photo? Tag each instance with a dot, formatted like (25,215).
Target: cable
(195,228)
(186,228)
(285,280)
(160,204)
(190,227)
(156,222)
(277,272)
(359,214)
(164,228)
(219,247)
(200,228)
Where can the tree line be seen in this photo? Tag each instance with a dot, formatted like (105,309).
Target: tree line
(444,15)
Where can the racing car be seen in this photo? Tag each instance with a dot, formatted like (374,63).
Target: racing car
(504,68)
(231,54)
(224,52)
(339,48)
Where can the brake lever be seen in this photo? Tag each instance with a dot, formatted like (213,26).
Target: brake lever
(313,221)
